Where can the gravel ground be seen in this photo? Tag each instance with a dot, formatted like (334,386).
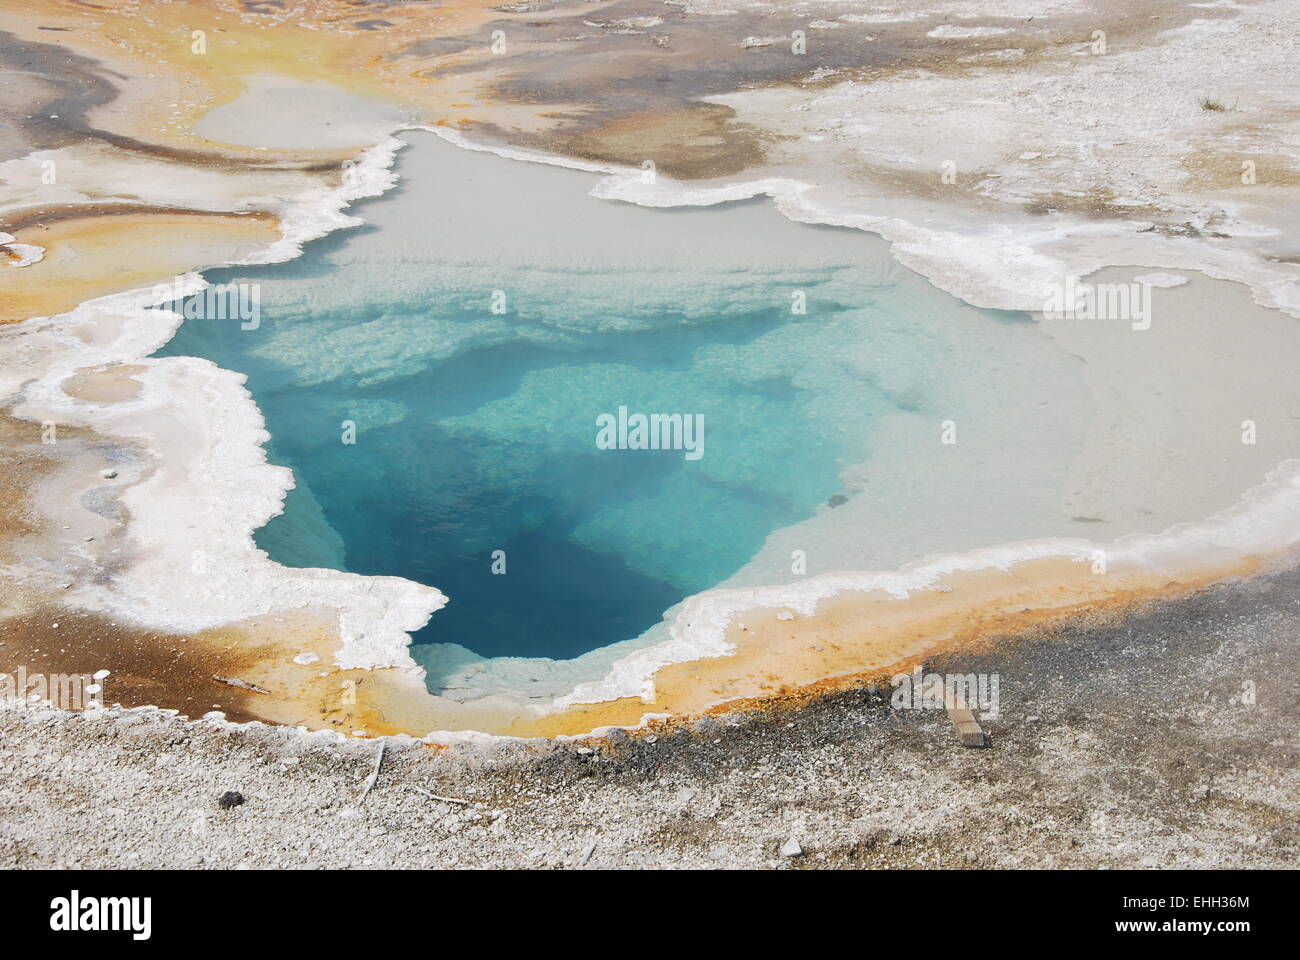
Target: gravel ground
(1127,744)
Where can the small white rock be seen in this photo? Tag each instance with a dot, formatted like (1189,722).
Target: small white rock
(791,848)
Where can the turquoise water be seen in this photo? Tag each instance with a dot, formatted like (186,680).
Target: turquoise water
(475,431)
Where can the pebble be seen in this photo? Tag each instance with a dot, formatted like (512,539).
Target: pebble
(617,737)
(231,798)
(707,726)
(791,848)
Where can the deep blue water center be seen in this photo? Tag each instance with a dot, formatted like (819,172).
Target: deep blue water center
(475,431)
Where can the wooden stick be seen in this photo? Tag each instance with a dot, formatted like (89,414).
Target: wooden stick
(374,774)
(963,720)
(241,684)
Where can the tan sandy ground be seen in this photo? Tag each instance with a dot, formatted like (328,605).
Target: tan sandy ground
(1128,745)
